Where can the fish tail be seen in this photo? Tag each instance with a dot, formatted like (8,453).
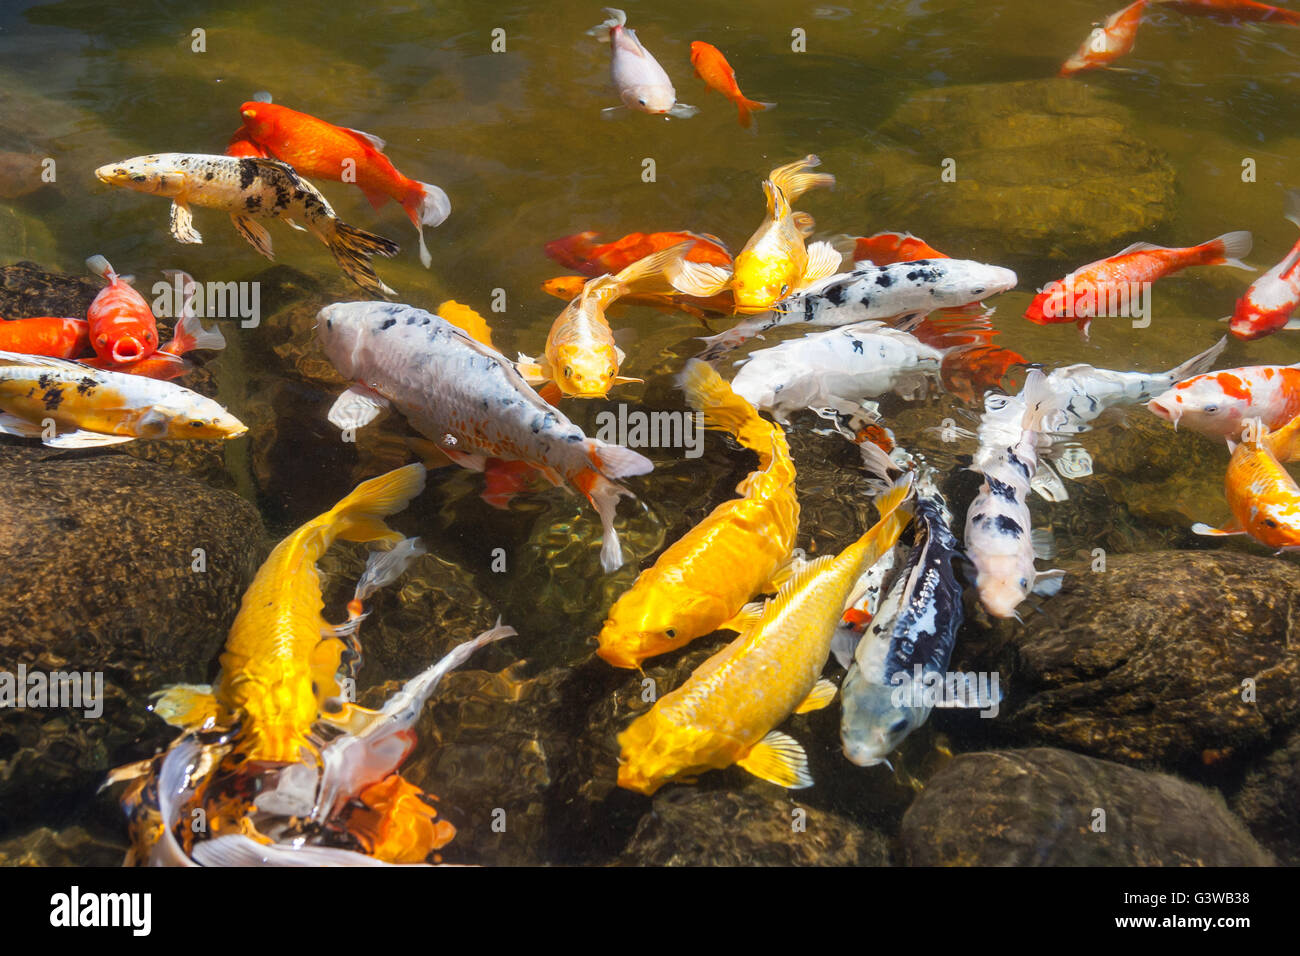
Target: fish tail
(426,205)
(650,274)
(793,179)
(1199,363)
(100,267)
(353,248)
(1228,249)
(615,18)
(880,537)
(708,393)
(1041,403)
(748,107)
(604,495)
(1292,213)
(359,516)
(1285,442)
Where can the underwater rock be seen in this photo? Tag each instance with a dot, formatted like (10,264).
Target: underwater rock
(99,558)
(74,846)
(20,174)
(1147,660)
(693,827)
(1267,800)
(1039,807)
(1044,168)
(27,290)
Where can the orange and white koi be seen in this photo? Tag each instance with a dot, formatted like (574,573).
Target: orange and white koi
(712,67)
(701,582)
(1263,497)
(1273,298)
(1218,403)
(1108,41)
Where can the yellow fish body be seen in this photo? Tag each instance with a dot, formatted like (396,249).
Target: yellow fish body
(467,320)
(704,579)
(775,263)
(281,660)
(726,710)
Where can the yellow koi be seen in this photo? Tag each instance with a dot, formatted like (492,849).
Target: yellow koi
(467,320)
(704,579)
(726,711)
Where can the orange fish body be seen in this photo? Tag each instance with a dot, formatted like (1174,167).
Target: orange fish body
(119,321)
(395,822)
(569,287)
(1233,10)
(45,335)
(712,67)
(1108,42)
(318,149)
(885,248)
(1263,497)
(580,253)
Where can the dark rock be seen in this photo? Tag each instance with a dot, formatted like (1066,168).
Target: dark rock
(1038,807)
(27,290)
(74,846)
(1268,803)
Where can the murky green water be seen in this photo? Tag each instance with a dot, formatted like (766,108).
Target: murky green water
(517,141)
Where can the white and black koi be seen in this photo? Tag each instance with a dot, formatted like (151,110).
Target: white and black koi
(874,292)
(250,188)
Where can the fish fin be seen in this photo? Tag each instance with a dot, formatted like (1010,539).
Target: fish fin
(262,96)
(430,452)
(13,425)
(778,758)
(823,261)
(697,278)
(652,273)
(1048,583)
(99,266)
(182,223)
(353,248)
(615,18)
(1291,325)
(1047,484)
(745,618)
(1199,363)
(820,696)
(804,223)
(356,407)
(682,111)
(785,571)
(550,393)
(802,574)
(235,849)
(604,495)
(793,179)
(1205,529)
(359,516)
(533,371)
(465,459)
(844,645)
(615,461)
(294,224)
(1044,544)
(1042,405)
(627,380)
(1284,443)
(376,197)
(426,205)
(385,567)
(1236,245)
(370,139)
(81,438)
(188,706)
(255,233)
(614,112)
(747,108)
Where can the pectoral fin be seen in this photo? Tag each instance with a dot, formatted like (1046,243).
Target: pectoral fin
(1205,529)
(534,371)
(823,261)
(188,706)
(182,223)
(698,278)
(1048,583)
(779,759)
(255,233)
(84,439)
(822,694)
(357,407)
(745,618)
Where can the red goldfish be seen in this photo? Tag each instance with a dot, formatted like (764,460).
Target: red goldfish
(580,253)
(885,248)
(317,149)
(1080,296)
(45,335)
(1270,300)
(712,67)
(1233,10)
(1108,41)
(121,324)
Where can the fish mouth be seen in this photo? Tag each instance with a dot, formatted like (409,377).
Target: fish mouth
(127,350)
(1161,411)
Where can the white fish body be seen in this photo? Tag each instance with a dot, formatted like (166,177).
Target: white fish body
(641,82)
(469,400)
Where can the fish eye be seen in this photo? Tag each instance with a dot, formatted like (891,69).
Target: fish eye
(568,371)
(976,291)
(641,101)
(1211,409)
(898,726)
(102,340)
(785,287)
(671,632)
(1024,583)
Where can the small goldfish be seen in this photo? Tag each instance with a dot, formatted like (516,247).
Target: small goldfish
(120,323)
(581,253)
(1263,497)
(775,263)
(712,67)
(45,335)
(726,711)
(92,407)
(581,359)
(885,248)
(1272,298)
(1234,10)
(701,582)
(247,188)
(1085,292)
(1108,41)
(641,82)
(1217,403)
(321,150)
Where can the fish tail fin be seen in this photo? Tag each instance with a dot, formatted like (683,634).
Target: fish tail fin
(614,18)
(708,393)
(359,516)
(880,537)
(1292,213)
(385,567)
(1285,442)
(99,266)
(778,203)
(793,179)
(426,205)
(747,108)
(651,273)
(697,278)
(190,334)
(1229,248)
(1041,403)
(1199,363)
(604,495)
(615,461)
(353,249)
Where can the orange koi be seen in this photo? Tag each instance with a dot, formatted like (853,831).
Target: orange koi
(1108,41)
(887,247)
(120,323)
(712,67)
(1263,497)
(1234,10)
(580,252)
(45,335)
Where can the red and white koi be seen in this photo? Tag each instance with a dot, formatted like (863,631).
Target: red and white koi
(1218,403)
(1272,299)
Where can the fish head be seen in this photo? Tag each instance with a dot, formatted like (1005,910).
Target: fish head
(649,97)
(259,119)
(156,174)
(564,287)
(584,372)
(1050,305)
(872,723)
(967,282)
(1004,581)
(342,329)
(646,622)
(654,750)
(761,280)
(187,414)
(1213,404)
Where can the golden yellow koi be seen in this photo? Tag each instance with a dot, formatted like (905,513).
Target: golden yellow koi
(1264,498)
(775,263)
(467,320)
(726,711)
(704,579)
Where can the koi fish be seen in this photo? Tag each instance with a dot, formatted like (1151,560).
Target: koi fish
(467,320)
(45,335)
(726,711)
(249,189)
(885,248)
(1234,10)
(581,359)
(1076,298)
(1271,299)
(93,407)
(915,627)
(641,82)
(580,253)
(469,400)
(1217,403)
(874,292)
(838,369)
(1264,498)
(712,67)
(321,150)
(1108,41)
(701,582)
(570,287)
(998,538)
(120,323)
(775,263)
(970,371)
